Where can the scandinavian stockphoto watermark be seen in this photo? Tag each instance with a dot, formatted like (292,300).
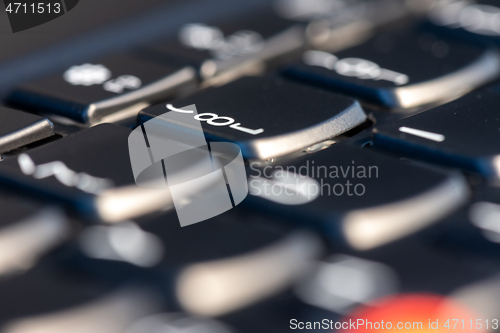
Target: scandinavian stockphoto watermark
(295,185)
(204,179)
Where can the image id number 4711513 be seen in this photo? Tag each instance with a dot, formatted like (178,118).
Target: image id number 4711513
(33,8)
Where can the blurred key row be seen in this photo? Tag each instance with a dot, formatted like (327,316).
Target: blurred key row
(427,69)
(151,272)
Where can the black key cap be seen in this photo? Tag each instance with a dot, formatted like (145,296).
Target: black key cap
(44,299)
(88,92)
(475,20)
(415,261)
(449,266)
(474,229)
(484,215)
(268,117)
(227,51)
(354,195)
(409,281)
(428,273)
(19,128)
(28,231)
(462,134)
(483,297)
(403,68)
(209,268)
(89,172)
(100,28)
(342,24)
(283,313)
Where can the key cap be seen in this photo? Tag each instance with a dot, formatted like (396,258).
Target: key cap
(19,128)
(45,299)
(89,92)
(401,68)
(482,297)
(89,172)
(426,267)
(27,232)
(461,134)
(283,313)
(224,52)
(474,20)
(349,275)
(338,25)
(427,273)
(267,117)
(474,228)
(483,215)
(99,28)
(209,268)
(356,197)
(450,272)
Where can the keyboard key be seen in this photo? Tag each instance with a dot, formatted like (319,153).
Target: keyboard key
(222,53)
(46,300)
(468,19)
(414,260)
(451,275)
(354,196)
(482,296)
(27,232)
(474,229)
(89,172)
(483,214)
(19,128)
(401,68)
(209,268)
(89,92)
(341,24)
(461,134)
(349,275)
(267,117)
(282,313)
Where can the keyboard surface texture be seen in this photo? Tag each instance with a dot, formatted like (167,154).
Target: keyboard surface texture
(217,166)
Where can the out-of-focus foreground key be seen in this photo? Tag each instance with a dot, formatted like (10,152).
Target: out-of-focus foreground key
(402,68)
(267,117)
(27,232)
(209,268)
(89,92)
(354,195)
(45,300)
(462,134)
(89,172)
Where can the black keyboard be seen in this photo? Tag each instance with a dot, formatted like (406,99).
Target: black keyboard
(223,166)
